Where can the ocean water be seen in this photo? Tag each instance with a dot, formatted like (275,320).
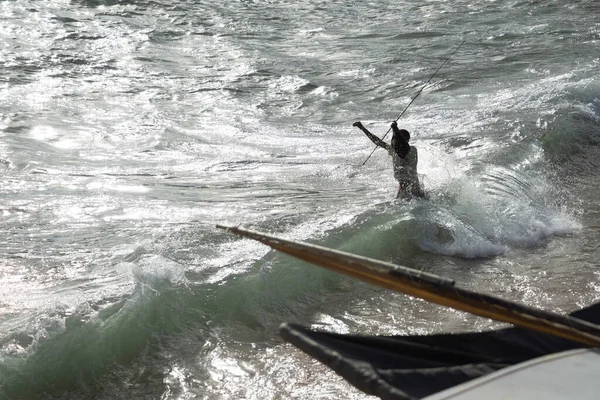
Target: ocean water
(129,129)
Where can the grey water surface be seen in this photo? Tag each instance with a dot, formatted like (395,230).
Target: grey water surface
(128,129)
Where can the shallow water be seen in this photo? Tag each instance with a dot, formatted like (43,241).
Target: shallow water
(129,129)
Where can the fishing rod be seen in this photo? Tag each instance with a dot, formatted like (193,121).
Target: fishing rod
(417,95)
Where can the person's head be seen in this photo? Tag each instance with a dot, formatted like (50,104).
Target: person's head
(400,144)
(405,135)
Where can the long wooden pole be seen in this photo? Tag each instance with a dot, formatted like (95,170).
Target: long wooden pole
(415,96)
(431,288)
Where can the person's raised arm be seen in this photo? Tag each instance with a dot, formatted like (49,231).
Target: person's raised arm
(373,138)
(395,129)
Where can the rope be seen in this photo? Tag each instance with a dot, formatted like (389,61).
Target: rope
(417,95)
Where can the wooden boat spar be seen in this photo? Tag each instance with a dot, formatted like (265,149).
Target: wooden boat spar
(545,355)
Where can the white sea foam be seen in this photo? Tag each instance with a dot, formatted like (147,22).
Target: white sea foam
(127,131)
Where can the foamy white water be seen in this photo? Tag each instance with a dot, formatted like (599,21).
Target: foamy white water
(129,129)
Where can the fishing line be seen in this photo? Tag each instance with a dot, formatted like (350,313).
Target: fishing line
(417,95)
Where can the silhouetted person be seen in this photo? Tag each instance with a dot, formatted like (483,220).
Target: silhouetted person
(404,157)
